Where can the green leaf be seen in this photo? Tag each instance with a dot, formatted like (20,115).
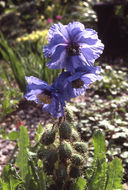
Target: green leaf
(115,175)
(97,174)
(99,145)
(39,132)
(42,180)
(22,158)
(14,135)
(9,180)
(79,185)
(12,60)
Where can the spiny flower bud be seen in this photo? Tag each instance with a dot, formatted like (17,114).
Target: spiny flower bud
(75,135)
(52,157)
(61,173)
(65,130)
(42,153)
(48,137)
(65,150)
(80,147)
(77,159)
(74,172)
(69,114)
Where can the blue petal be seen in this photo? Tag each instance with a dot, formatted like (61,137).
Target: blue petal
(58,59)
(72,62)
(31,95)
(91,54)
(35,83)
(49,49)
(58,29)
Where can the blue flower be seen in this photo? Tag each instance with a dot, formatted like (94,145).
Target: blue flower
(46,95)
(72,46)
(74,85)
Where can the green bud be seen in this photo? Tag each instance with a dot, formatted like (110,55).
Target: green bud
(52,156)
(42,153)
(69,114)
(74,172)
(61,173)
(80,147)
(77,159)
(75,135)
(65,150)
(65,130)
(48,137)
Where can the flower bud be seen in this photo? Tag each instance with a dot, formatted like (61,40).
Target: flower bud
(65,130)
(48,137)
(69,114)
(61,174)
(77,159)
(80,147)
(52,156)
(65,150)
(74,172)
(75,135)
(42,153)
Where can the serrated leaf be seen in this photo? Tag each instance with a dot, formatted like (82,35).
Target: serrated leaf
(22,158)
(42,181)
(99,145)
(9,180)
(39,132)
(80,184)
(115,174)
(97,174)
(14,135)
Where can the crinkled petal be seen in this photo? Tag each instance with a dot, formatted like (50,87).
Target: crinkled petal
(34,80)
(72,25)
(72,62)
(91,54)
(31,95)
(74,29)
(58,59)
(58,29)
(86,36)
(50,48)
(35,83)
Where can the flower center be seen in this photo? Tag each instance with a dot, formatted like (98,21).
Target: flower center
(73,49)
(77,83)
(45,97)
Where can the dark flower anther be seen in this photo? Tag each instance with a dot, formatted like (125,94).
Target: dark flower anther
(73,49)
(45,97)
(77,83)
